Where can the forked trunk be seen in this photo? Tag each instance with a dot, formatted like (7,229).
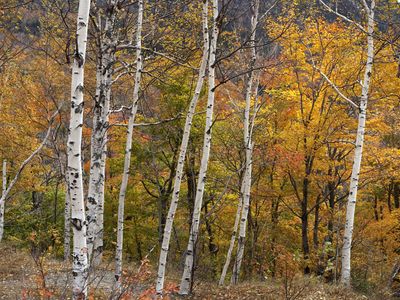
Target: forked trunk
(233,237)
(186,280)
(182,155)
(247,142)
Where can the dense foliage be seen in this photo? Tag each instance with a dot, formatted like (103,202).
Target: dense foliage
(304,134)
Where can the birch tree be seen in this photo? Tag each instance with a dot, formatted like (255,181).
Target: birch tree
(233,237)
(67,208)
(182,155)
(95,202)
(244,192)
(247,142)
(351,202)
(128,147)
(355,174)
(74,154)
(67,222)
(186,280)
(4,186)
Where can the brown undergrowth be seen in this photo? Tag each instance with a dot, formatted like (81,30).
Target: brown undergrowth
(24,276)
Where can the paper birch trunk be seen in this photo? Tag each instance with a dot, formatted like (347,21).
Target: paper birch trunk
(351,202)
(243,216)
(74,164)
(248,150)
(186,280)
(128,147)
(67,213)
(233,237)
(4,185)
(95,202)
(182,154)
(67,223)
(95,180)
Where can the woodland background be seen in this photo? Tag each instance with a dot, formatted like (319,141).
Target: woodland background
(303,136)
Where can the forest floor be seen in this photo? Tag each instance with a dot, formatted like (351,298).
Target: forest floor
(22,276)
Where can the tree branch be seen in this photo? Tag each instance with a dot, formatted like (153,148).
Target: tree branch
(26,162)
(335,87)
(343,16)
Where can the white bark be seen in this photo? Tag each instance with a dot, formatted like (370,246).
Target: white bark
(96,183)
(67,208)
(67,223)
(247,140)
(182,154)
(128,147)
(74,164)
(186,279)
(351,203)
(233,237)
(95,202)
(4,185)
(243,215)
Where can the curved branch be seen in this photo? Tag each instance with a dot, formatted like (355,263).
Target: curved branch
(27,161)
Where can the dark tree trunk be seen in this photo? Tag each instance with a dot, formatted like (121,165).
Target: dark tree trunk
(327,253)
(191,185)
(316,223)
(274,226)
(162,218)
(376,214)
(389,196)
(212,247)
(304,227)
(396,194)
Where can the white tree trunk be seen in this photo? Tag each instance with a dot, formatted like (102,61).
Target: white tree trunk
(67,223)
(96,183)
(247,140)
(243,215)
(95,203)
(186,279)
(67,212)
(4,185)
(128,147)
(233,237)
(182,154)
(351,202)
(74,165)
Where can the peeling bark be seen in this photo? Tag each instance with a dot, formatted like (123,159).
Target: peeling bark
(95,199)
(74,165)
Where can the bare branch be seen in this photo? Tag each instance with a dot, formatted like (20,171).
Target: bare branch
(177,117)
(27,161)
(122,108)
(173,59)
(343,16)
(334,86)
